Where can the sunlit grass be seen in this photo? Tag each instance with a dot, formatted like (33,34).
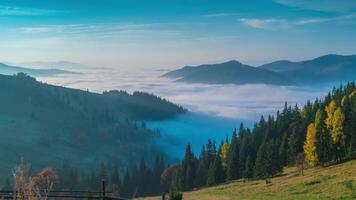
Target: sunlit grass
(334,182)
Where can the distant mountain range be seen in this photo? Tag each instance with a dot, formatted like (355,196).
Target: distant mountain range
(57,64)
(328,68)
(11,70)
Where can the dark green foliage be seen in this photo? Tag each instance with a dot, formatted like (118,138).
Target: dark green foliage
(292,149)
(267,163)
(175,195)
(216,172)
(276,142)
(41,119)
(233,159)
(7,185)
(249,167)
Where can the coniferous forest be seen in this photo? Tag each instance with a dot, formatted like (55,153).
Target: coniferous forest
(320,133)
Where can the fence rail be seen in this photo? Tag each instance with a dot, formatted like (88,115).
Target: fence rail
(71,194)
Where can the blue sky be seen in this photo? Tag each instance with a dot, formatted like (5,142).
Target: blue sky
(171,33)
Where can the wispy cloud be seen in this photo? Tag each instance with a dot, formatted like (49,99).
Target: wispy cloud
(276,23)
(222,14)
(84,28)
(105,32)
(322,5)
(271,23)
(18,11)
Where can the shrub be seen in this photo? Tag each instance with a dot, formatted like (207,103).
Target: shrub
(175,195)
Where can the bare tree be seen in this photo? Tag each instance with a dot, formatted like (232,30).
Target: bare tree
(301,163)
(37,187)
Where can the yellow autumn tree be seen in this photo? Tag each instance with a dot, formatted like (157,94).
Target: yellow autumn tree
(224,154)
(302,113)
(310,146)
(330,109)
(337,133)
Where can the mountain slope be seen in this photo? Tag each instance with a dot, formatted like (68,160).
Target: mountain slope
(328,68)
(49,125)
(11,70)
(334,182)
(231,72)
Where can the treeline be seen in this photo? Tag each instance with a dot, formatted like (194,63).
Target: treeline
(141,180)
(323,131)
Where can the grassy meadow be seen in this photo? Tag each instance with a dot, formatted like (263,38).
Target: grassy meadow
(334,182)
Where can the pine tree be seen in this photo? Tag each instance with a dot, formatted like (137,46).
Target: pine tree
(126,189)
(216,173)
(323,143)
(188,169)
(232,165)
(211,175)
(283,150)
(248,172)
(267,164)
(202,170)
(310,146)
(292,148)
(115,180)
(352,145)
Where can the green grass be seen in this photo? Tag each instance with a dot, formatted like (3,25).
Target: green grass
(334,182)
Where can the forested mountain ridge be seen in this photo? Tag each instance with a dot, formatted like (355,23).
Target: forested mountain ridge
(11,70)
(321,133)
(324,69)
(231,72)
(328,68)
(48,125)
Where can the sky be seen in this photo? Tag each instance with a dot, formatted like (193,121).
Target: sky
(174,33)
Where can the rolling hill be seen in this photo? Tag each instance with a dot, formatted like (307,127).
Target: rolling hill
(324,69)
(232,72)
(48,125)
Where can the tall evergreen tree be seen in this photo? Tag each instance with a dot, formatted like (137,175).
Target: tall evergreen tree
(292,148)
(232,165)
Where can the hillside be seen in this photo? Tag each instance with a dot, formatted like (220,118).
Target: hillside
(328,68)
(11,70)
(324,69)
(334,182)
(51,125)
(231,72)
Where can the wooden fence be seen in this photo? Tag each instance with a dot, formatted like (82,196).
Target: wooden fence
(71,194)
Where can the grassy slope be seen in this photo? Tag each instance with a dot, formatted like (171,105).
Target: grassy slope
(318,183)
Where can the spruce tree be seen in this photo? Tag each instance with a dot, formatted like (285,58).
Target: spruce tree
(292,148)
(232,165)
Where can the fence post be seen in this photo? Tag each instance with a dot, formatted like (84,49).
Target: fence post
(103,189)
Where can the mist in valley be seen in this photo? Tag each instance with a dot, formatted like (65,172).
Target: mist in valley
(214,110)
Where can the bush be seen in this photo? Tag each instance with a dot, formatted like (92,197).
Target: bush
(175,195)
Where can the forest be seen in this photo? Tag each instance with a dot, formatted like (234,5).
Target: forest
(321,133)
(48,125)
